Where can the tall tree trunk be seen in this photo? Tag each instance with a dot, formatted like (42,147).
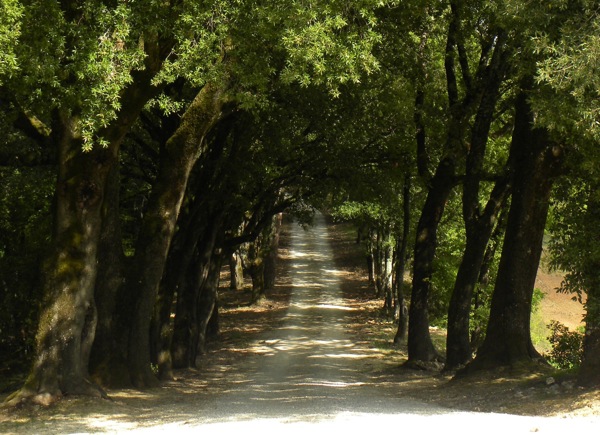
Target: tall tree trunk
(458,341)
(181,152)
(479,223)
(378,260)
(111,269)
(185,329)
(420,346)
(207,303)
(257,274)
(67,322)
(402,330)
(589,372)
(387,272)
(537,162)
(175,281)
(258,256)
(370,257)
(271,257)
(236,271)
(60,362)
(192,224)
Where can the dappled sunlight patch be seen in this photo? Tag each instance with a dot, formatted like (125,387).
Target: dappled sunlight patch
(339,356)
(336,307)
(336,272)
(332,384)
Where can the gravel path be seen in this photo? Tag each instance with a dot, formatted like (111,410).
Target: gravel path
(309,374)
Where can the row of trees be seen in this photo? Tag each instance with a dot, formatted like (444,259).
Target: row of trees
(177,132)
(501,112)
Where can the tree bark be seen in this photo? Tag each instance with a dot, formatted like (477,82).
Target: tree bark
(420,346)
(59,366)
(207,303)
(402,331)
(236,271)
(181,152)
(270,273)
(479,223)
(111,268)
(185,330)
(175,282)
(387,272)
(589,371)
(536,164)
(67,321)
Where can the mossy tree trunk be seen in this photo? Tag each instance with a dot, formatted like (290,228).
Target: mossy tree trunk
(179,155)
(67,320)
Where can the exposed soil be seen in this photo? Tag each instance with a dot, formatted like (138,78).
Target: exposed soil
(543,393)
(556,305)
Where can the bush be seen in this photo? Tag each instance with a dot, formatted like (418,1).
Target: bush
(567,346)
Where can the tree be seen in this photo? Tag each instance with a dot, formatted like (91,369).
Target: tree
(479,221)
(67,320)
(573,249)
(472,95)
(537,160)
(568,68)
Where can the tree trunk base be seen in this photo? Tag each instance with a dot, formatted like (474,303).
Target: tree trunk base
(516,368)
(145,379)
(259,300)
(435,365)
(28,396)
(400,339)
(111,373)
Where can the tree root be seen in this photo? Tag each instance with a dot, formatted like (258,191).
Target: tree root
(145,379)
(434,366)
(24,397)
(28,396)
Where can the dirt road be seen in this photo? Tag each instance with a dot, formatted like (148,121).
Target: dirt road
(308,374)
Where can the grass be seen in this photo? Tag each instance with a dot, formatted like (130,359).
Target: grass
(539,333)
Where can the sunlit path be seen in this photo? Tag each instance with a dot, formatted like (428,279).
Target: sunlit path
(309,368)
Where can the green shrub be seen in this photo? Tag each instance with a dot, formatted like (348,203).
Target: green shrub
(567,346)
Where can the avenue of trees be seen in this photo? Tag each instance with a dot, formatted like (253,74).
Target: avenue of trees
(149,143)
